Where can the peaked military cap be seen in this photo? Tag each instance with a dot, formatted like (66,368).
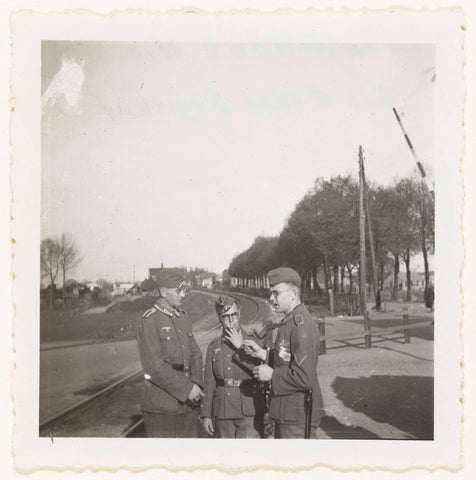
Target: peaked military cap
(223,304)
(283,275)
(170,278)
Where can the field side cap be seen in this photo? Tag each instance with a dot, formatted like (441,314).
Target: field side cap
(223,304)
(283,275)
(170,279)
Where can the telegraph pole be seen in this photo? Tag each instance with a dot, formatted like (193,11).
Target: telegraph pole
(363,269)
(371,242)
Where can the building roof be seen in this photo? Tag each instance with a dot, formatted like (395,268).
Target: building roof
(149,284)
(154,271)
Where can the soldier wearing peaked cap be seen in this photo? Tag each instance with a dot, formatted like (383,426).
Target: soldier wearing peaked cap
(233,406)
(290,366)
(172,363)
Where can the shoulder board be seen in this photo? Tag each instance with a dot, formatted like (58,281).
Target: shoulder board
(299,319)
(149,312)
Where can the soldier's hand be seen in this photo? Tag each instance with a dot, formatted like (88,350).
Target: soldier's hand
(253,349)
(234,337)
(207,425)
(196,394)
(263,373)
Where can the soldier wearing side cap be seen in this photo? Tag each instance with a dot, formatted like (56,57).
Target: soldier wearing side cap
(172,362)
(290,365)
(234,403)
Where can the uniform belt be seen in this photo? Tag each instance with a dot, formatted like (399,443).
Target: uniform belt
(179,368)
(175,366)
(231,382)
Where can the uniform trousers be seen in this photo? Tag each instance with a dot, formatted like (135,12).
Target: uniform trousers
(247,427)
(183,425)
(292,430)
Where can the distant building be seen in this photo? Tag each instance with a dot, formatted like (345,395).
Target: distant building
(122,288)
(154,271)
(149,285)
(417,281)
(207,282)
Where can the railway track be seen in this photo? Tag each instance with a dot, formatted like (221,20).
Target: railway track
(114,411)
(99,413)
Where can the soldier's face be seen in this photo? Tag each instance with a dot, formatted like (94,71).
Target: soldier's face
(231,318)
(173,295)
(281,298)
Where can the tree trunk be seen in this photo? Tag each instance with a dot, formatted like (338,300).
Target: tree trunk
(409,275)
(326,277)
(64,288)
(315,269)
(351,283)
(306,289)
(336,278)
(314,276)
(52,295)
(396,271)
(423,237)
(342,275)
(425,261)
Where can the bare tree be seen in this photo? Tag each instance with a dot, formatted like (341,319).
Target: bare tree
(69,257)
(50,253)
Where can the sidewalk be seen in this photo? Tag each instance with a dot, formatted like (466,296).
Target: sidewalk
(384,392)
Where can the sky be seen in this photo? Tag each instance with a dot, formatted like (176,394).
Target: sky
(183,153)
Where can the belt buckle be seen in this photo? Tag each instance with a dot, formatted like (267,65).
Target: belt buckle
(231,382)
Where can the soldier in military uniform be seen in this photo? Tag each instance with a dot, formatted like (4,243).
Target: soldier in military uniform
(234,403)
(172,363)
(290,366)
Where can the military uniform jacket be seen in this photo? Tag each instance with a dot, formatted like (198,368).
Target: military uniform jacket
(294,359)
(171,359)
(226,402)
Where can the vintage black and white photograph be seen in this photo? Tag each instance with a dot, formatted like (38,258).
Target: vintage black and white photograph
(242,237)
(223,224)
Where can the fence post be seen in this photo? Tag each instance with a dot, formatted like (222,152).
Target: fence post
(331,302)
(406,331)
(321,324)
(368,338)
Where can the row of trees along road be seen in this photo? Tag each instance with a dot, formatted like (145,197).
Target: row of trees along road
(323,233)
(58,255)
